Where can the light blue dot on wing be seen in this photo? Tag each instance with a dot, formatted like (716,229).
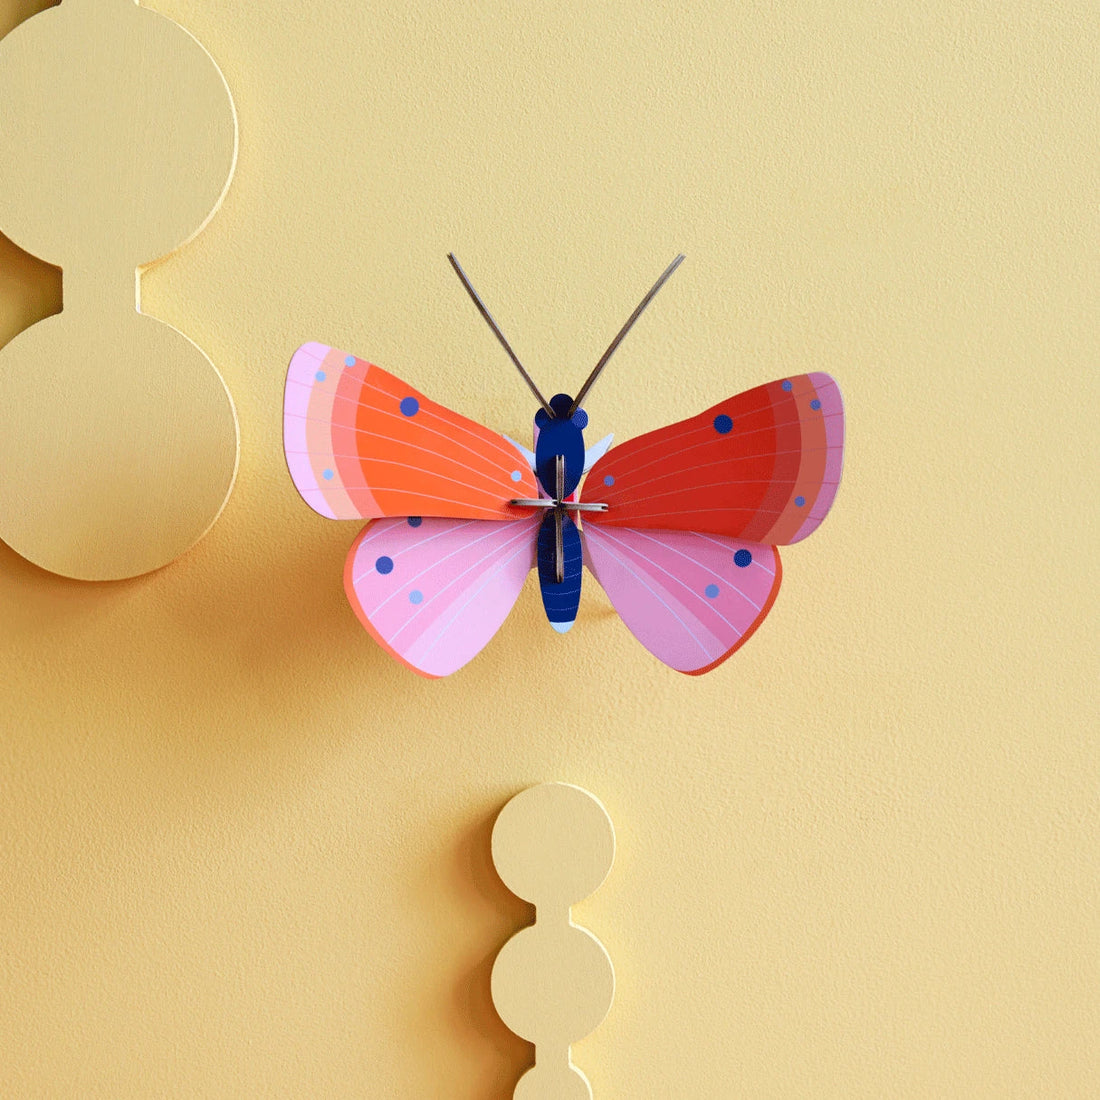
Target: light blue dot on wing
(349,360)
(815,404)
(410,406)
(711,591)
(787,385)
(328,475)
(320,376)
(516,475)
(609,480)
(416,596)
(799,501)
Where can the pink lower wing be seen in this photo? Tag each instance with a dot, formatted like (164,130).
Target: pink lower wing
(691,599)
(434,591)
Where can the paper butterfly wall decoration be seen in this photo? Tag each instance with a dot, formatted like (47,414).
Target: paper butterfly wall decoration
(681,525)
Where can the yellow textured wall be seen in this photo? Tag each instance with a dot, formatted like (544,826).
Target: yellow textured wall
(244,854)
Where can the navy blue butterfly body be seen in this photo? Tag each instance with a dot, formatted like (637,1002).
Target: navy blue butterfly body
(559,451)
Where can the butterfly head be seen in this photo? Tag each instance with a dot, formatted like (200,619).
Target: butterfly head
(560,434)
(560,404)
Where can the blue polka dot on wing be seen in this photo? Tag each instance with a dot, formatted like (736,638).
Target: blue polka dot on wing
(722,424)
(787,385)
(349,360)
(742,558)
(320,376)
(384,565)
(815,404)
(516,475)
(609,480)
(414,521)
(416,596)
(328,475)
(410,406)
(710,591)
(799,501)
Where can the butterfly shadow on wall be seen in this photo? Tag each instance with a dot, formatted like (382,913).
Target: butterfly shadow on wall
(680,525)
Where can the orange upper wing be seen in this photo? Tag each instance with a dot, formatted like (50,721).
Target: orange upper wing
(360,443)
(762,466)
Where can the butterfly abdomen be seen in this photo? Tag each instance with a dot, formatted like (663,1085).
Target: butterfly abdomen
(560,600)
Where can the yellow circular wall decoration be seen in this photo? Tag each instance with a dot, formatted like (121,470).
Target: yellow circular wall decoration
(553,982)
(118,437)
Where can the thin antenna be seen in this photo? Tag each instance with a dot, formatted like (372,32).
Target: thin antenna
(622,332)
(497,333)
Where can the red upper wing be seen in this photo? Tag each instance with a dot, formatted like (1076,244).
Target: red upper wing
(762,466)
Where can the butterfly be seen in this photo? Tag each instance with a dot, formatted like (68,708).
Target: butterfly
(680,526)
